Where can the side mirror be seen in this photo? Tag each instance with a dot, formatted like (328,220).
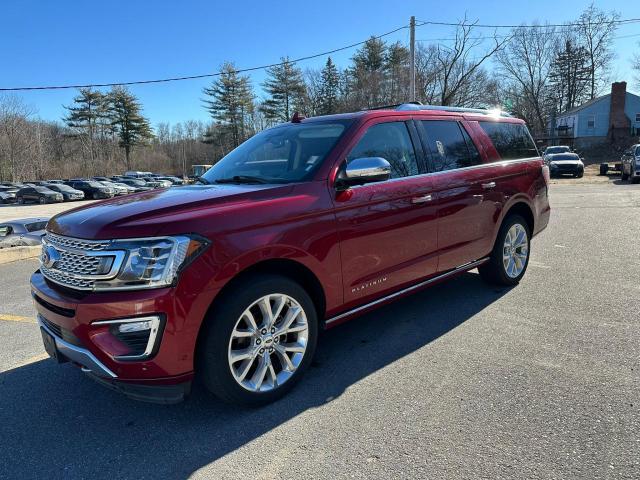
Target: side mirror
(364,170)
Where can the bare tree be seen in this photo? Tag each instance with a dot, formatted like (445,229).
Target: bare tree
(458,66)
(526,63)
(15,138)
(635,65)
(594,31)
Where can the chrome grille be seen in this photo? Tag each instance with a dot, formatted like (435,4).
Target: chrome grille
(78,263)
(67,280)
(77,244)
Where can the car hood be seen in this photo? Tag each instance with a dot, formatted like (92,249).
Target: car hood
(168,211)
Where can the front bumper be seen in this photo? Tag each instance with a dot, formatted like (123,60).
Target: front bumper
(72,318)
(566,169)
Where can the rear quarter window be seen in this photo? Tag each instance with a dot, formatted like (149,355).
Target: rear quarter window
(511,140)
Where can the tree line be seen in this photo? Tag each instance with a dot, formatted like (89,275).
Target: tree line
(533,71)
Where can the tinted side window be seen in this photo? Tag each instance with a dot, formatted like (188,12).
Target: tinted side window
(449,149)
(4,230)
(512,140)
(392,142)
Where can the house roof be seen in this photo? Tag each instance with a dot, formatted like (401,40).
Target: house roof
(584,105)
(589,103)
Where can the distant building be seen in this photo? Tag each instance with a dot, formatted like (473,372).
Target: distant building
(613,118)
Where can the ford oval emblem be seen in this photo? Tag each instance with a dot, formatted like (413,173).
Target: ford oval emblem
(50,256)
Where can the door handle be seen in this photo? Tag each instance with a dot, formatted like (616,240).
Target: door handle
(488,186)
(422,199)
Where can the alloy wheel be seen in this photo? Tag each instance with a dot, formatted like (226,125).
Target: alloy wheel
(515,250)
(268,343)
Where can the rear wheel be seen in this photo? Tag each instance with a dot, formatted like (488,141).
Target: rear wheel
(625,176)
(258,341)
(20,200)
(42,200)
(510,256)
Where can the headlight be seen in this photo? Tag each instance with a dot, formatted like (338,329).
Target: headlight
(153,262)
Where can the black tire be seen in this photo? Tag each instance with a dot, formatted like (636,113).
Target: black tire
(20,200)
(494,271)
(625,176)
(213,364)
(580,174)
(95,196)
(42,200)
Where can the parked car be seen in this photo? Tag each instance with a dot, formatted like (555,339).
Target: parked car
(92,189)
(300,228)
(553,150)
(565,164)
(138,185)
(156,182)
(172,179)
(631,164)
(38,194)
(118,190)
(136,174)
(8,194)
(102,179)
(68,194)
(23,232)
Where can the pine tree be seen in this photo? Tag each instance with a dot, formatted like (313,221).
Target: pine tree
(367,74)
(396,65)
(329,88)
(125,115)
(230,102)
(286,92)
(570,76)
(87,117)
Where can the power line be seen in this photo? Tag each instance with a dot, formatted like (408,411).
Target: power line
(302,59)
(422,40)
(206,75)
(550,25)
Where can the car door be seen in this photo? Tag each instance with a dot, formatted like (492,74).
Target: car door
(467,202)
(387,229)
(29,195)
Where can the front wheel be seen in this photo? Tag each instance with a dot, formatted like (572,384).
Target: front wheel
(510,256)
(43,200)
(258,340)
(20,200)
(625,176)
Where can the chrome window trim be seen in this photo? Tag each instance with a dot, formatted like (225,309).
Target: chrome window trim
(501,163)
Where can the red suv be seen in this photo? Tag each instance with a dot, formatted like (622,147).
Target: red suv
(300,228)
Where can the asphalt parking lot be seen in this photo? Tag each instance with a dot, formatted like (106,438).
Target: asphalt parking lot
(459,381)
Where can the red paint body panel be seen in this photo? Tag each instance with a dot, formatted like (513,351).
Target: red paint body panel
(360,244)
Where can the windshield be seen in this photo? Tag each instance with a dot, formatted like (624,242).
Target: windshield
(638,150)
(566,156)
(32,227)
(94,184)
(41,189)
(552,150)
(285,154)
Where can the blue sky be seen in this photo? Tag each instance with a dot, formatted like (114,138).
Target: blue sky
(62,42)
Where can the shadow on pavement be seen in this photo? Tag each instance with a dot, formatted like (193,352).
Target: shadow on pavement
(57,424)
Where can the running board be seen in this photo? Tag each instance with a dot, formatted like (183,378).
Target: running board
(450,273)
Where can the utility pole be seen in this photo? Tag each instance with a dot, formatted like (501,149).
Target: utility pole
(412,59)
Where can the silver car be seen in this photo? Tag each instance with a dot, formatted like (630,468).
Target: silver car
(23,232)
(631,164)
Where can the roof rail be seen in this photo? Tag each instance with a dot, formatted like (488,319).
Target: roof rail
(391,107)
(418,106)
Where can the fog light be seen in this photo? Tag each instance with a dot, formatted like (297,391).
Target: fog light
(135,326)
(141,335)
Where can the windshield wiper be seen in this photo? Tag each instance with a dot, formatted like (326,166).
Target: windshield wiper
(202,180)
(241,179)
